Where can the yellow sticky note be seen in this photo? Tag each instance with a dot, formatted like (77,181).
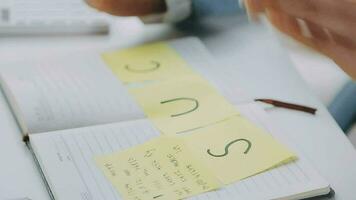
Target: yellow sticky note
(148,62)
(161,169)
(182,104)
(236,149)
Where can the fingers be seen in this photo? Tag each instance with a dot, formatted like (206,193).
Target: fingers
(338,16)
(129,7)
(253,8)
(326,25)
(288,25)
(341,54)
(341,49)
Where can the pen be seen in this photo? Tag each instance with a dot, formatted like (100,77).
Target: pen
(282,104)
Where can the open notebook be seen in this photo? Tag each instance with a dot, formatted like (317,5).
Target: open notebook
(73,108)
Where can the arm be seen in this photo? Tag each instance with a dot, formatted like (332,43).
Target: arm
(129,7)
(167,10)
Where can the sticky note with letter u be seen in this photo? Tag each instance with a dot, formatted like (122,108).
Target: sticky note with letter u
(236,149)
(150,62)
(161,169)
(182,104)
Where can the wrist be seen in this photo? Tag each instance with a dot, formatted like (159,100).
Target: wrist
(176,10)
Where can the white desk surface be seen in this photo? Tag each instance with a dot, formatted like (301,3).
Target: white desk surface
(265,71)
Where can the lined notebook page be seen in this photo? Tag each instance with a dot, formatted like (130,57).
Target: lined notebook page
(67,157)
(79,90)
(68,92)
(67,161)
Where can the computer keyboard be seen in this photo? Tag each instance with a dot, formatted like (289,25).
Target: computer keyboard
(50,17)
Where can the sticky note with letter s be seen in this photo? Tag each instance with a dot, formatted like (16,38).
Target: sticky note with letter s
(236,149)
(182,104)
(161,169)
(150,62)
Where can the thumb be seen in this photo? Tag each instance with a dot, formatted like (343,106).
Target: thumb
(254,7)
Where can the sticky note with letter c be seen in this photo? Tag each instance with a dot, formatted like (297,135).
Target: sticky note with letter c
(182,104)
(236,149)
(150,62)
(161,169)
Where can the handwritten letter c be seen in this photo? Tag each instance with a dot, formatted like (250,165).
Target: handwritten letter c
(155,64)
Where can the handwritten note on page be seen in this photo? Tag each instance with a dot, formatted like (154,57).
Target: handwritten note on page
(236,149)
(161,169)
(148,62)
(182,104)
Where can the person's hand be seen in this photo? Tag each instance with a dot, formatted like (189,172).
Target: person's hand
(326,25)
(129,7)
